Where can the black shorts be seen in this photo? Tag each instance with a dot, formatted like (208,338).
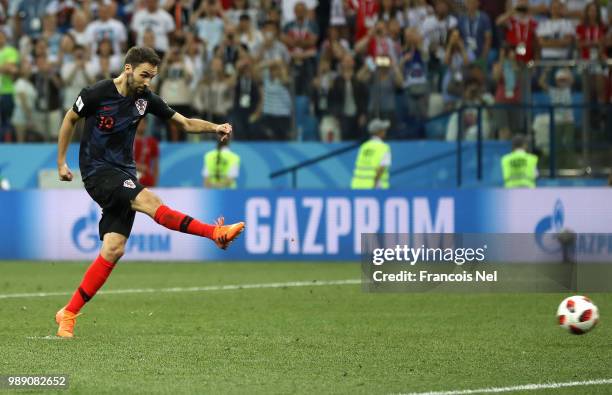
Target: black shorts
(114,190)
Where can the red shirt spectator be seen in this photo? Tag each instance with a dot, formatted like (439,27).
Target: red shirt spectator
(367,14)
(521,34)
(146,156)
(590,39)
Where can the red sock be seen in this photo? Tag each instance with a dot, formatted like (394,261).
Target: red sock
(94,278)
(176,220)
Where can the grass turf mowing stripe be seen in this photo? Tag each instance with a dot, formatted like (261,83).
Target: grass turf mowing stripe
(189,289)
(525,387)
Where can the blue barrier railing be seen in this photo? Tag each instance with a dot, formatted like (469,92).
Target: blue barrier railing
(459,150)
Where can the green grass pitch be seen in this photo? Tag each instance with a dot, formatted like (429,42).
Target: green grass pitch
(309,339)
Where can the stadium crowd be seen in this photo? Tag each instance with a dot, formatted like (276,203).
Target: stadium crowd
(302,69)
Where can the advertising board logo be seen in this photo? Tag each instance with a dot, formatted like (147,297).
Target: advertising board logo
(85,231)
(548,227)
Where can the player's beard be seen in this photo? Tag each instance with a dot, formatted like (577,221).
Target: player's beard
(131,85)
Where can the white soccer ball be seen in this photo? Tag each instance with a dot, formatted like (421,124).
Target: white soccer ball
(577,314)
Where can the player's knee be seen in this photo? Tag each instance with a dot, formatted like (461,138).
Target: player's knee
(147,202)
(114,251)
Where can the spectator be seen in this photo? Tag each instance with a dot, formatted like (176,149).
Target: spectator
(76,74)
(591,44)
(48,84)
(414,13)
(9,58)
(288,9)
(27,18)
(247,100)
(175,78)
(221,167)
(25,98)
(229,49)
(455,59)
(181,12)
(214,95)
(106,27)
(350,101)
(387,11)
(105,64)
(521,31)
(66,51)
(321,87)
(382,78)
(276,109)
(555,34)
(52,37)
(248,34)
(472,98)
(208,24)
(590,34)
(300,36)
(366,16)
(416,87)
(272,48)
(506,75)
(79,28)
(561,94)
(378,43)
(155,19)
(240,9)
(334,47)
(434,30)
(195,59)
(476,31)
(62,10)
(146,156)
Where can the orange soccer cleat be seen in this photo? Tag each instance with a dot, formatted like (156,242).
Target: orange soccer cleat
(223,235)
(66,320)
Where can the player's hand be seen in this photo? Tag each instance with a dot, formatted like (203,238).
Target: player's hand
(64,173)
(223,131)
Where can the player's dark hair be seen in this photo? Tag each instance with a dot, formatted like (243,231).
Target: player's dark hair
(139,55)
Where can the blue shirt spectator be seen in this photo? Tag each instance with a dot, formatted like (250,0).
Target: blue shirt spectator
(476,31)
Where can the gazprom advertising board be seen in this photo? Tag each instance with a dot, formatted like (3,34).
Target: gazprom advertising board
(304,225)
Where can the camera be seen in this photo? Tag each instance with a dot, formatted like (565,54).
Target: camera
(382,61)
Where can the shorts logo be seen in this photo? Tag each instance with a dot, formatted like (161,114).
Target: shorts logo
(141,106)
(129,184)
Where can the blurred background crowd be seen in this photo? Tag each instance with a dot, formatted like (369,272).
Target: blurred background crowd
(314,69)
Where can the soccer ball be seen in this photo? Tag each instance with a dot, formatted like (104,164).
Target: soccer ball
(577,314)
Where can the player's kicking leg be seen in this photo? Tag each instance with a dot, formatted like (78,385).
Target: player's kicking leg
(113,246)
(148,203)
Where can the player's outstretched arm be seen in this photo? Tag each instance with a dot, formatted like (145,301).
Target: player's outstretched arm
(63,141)
(193,125)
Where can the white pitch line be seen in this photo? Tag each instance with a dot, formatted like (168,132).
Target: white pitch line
(189,289)
(526,387)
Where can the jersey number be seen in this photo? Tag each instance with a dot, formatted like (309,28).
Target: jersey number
(105,123)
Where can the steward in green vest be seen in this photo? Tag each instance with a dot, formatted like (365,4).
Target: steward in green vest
(221,167)
(520,168)
(373,159)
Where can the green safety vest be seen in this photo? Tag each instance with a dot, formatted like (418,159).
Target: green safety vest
(8,54)
(368,161)
(218,170)
(519,169)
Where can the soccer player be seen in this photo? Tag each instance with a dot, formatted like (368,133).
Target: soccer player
(112,110)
